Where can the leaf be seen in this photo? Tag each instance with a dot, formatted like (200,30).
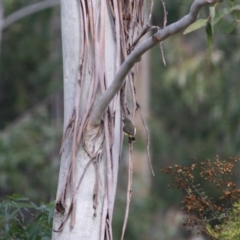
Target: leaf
(212,12)
(34,205)
(221,14)
(212,15)
(20,205)
(33,231)
(45,238)
(50,215)
(224,12)
(230,27)
(196,25)
(13,214)
(237,7)
(17,197)
(209,39)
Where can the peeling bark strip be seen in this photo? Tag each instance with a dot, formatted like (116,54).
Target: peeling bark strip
(100,21)
(108,32)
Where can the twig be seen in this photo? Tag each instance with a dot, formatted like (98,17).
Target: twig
(129,190)
(164,25)
(148,142)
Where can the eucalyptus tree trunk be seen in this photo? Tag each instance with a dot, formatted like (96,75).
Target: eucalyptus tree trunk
(101,45)
(74,217)
(96,35)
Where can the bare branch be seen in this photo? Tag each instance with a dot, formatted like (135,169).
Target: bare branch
(108,95)
(26,11)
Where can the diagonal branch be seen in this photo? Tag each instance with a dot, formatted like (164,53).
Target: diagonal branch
(26,11)
(135,56)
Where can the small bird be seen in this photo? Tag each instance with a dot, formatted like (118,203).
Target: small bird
(129,129)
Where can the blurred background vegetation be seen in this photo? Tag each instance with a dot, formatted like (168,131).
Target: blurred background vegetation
(194,112)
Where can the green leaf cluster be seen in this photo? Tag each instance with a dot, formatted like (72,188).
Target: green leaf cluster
(30,61)
(214,18)
(30,102)
(230,228)
(27,161)
(22,219)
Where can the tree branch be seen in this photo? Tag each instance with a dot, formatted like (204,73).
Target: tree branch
(26,11)
(108,95)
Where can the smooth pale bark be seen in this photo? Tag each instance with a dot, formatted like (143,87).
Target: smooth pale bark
(86,226)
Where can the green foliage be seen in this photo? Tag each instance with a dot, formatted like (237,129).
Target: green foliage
(28,64)
(30,125)
(230,228)
(22,219)
(10,6)
(194,102)
(27,162)
(196,25)
(209,31)
(214,17)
